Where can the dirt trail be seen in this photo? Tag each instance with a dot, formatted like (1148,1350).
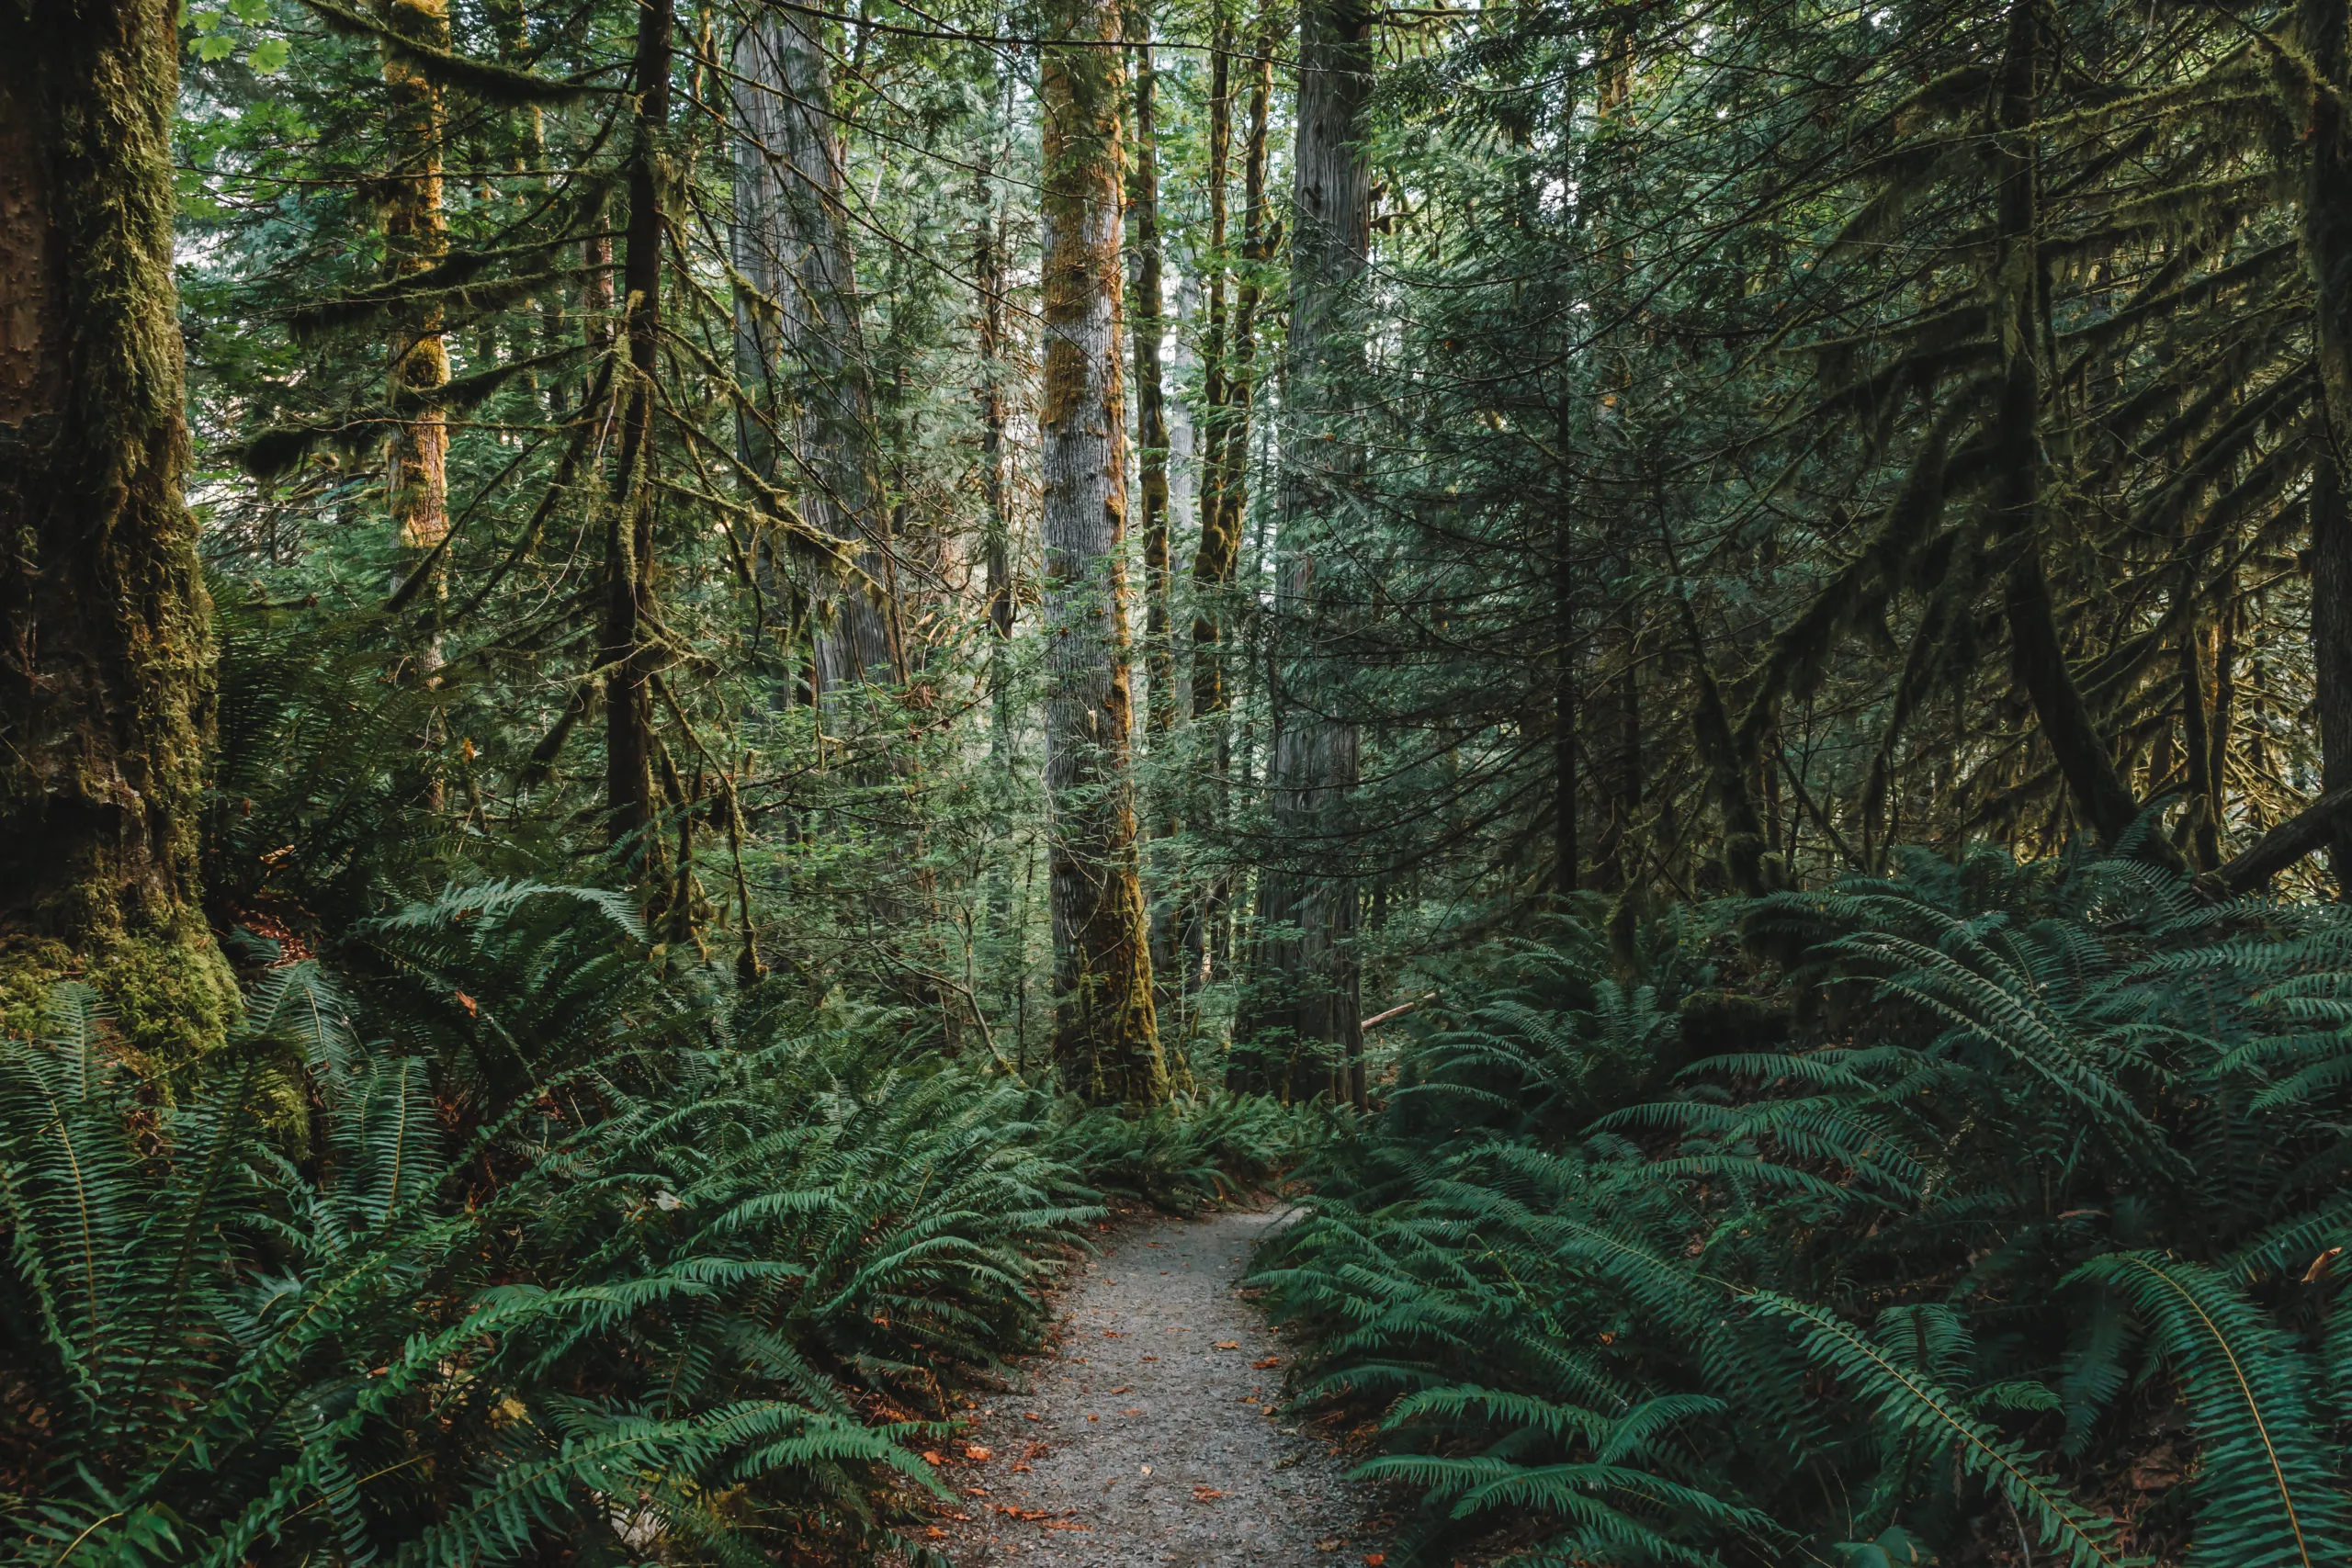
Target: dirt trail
(1152,1436)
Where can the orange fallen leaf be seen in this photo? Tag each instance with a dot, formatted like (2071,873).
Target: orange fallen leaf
(1132,1410)
(1092,1416)
(931,1458)
(1113,1334)
(1123,1388)
(1262,1362)
(473,1008)
(1229,1343)
(976,1451)
(1205,1493)
(1374,1559)
(1151,1357)
(1031,1415)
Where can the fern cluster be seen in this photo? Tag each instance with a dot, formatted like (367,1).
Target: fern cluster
(484,1246)
(1999,1218)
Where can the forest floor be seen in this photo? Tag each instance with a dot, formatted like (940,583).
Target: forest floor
(1151,1433)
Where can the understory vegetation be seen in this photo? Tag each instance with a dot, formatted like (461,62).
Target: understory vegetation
(683,681)
(485,1232)
(1983,1213)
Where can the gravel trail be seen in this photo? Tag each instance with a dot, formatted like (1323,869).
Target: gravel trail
(1151,1435)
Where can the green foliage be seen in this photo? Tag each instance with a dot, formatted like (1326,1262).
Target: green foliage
(1191,1152)
(2037,1182)
(667,1306)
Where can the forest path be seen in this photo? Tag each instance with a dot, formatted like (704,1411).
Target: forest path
(1151,1434)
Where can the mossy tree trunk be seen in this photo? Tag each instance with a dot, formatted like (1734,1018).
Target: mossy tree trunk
(2326,36)
(416,233)
(800,344)
(1107,1037)
(2037,652)
(625,654)
(105,655)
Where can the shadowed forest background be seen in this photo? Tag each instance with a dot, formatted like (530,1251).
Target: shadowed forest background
(681,676)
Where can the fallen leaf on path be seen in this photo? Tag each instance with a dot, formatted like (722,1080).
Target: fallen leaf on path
(976,1451)
(1229,1343)
(1132,1410)
(1330,1543)
(1113,1334)
(1151,1357)
(1374,1559)
(1092,1416)
(1262,1362)
(1031,1415)
(1123,1388)
(1205,1493)
(931,1458)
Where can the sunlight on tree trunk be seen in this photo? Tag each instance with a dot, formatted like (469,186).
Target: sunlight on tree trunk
(1107,1037)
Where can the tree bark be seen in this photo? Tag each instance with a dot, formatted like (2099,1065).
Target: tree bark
(417,234)
(1106,1038)
(800,343)
(1308,923)
(1219,548)
(106,657)
(2326,35)
(2037,655)
(1148,330)
(629,518)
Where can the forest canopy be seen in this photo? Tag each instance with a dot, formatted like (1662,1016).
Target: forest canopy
(680,675)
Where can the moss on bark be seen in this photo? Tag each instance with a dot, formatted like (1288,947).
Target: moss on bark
(105,653)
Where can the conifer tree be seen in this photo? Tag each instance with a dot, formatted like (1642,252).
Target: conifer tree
(1306,974)
(1106,1038)
(105,651)
(800,345)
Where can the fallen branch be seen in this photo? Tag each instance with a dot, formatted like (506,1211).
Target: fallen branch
(1376,1020)
(2308,829)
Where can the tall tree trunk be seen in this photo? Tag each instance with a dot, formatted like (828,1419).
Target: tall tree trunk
(800,344)
(629,518)
(416,235)
(105,653)
(2326,35)
(1308,922)
(1148,330)
(989,276)
(1618,767)
(2037,655)
(1219,548)
(1107,1037)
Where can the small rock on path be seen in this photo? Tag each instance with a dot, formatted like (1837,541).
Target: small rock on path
(1153,1426)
